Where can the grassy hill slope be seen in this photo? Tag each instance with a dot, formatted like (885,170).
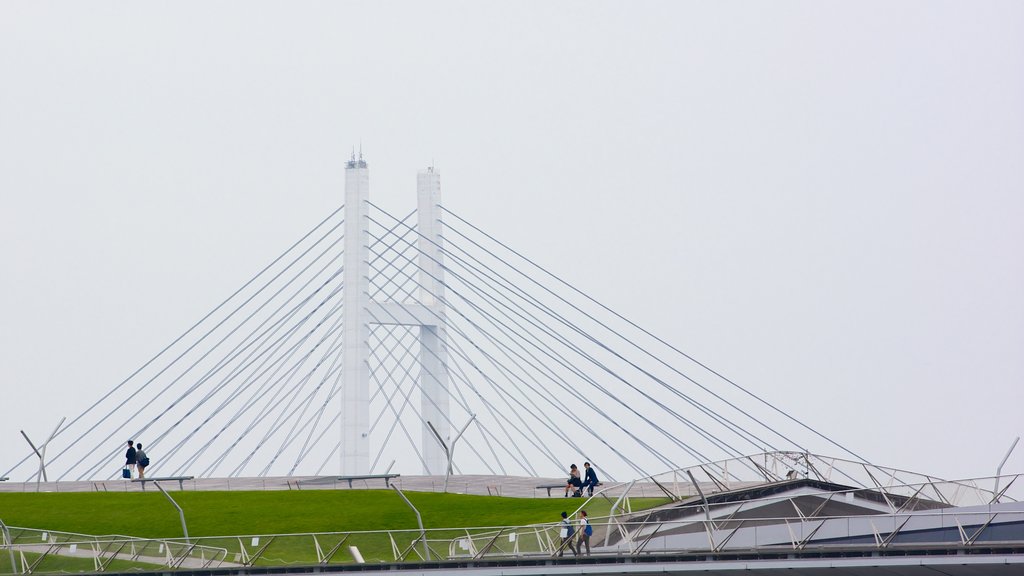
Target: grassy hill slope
(150,515)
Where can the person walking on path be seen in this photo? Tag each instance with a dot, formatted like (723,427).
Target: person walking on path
(573,483)
(566,532)
(130,458)
(141,460)
(589,479)
(585,531)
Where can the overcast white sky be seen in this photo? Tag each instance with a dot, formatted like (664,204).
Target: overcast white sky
(822,200)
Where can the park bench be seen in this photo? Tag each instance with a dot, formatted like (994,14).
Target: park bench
(549,487)
(385,477)
(180,479)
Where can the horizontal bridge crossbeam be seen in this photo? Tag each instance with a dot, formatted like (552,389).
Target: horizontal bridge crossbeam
(393,313)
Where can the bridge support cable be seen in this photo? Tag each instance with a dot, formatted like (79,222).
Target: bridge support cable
(93,426)
(519,336)
(414,385)
(517,358)
(266,385)
(307,447)
(263,346)
(267,356)
(154,398)
(333,352)
(411,296)
(719,419)
(398,421)
(119,408)
(660,341)
(247,343)
(459,351)
(505,309)
(493,278)
(67,427)
(569,389)
(739,431)
(488,437)
(304,451)
(315,425)
(567,412)
(299,421)
(506,371)
(736,428)
(460,374)
(297,415)
(277,375)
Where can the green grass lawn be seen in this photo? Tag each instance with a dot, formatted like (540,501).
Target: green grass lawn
(219,514)
(150,515)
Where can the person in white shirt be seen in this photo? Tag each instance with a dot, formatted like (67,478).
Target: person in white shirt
(566,532)
(585,531)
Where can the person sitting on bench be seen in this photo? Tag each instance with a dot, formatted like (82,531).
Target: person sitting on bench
(589,479)
(574,483)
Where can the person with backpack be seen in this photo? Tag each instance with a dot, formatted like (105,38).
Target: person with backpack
(566,531)
(141,460)
(586,530)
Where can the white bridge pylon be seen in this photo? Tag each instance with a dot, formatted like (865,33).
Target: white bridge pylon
(360,312)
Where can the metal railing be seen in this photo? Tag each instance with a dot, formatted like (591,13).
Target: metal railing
(29,551)
(781,466)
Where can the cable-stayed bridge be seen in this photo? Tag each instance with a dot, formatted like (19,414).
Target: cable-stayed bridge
(381,342)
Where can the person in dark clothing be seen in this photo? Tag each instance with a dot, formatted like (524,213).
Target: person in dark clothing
(566,531)
(129,458)
(141,460)
(589,479)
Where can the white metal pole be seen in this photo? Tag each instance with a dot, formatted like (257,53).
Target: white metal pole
(181,513)
(419,520)
(999,470)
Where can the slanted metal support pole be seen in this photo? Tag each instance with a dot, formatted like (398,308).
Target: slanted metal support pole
(419,520)
(41,474)
(999,470)
(10,545)
(612,518)
(707,508)
(449,452)
(181,513)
